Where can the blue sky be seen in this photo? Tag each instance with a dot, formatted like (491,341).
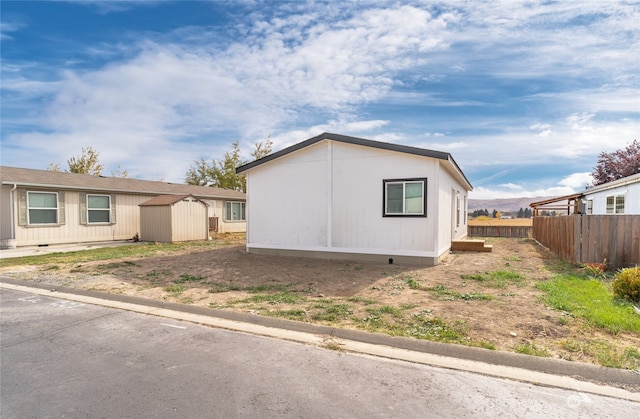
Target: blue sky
(524,95)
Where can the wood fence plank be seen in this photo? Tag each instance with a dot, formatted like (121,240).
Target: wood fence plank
(591,238)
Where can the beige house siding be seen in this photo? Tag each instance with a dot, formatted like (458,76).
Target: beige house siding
(216,209)
(125,196)
(155,224)
(5,221)
(189,220)
(171,218)
(125,226)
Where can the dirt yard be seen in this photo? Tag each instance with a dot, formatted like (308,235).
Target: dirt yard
(503,313)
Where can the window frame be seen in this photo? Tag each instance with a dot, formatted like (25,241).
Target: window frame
(404,182)
(589,206)
(107,209)
(228,211)
(56,209)
(615,204)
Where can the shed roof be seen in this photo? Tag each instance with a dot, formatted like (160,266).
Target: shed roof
(363,142)
(165,200)
(63,180)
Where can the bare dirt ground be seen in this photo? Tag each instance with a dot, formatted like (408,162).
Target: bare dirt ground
(227,277)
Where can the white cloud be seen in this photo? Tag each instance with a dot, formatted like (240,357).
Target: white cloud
(577,181)
(187,94)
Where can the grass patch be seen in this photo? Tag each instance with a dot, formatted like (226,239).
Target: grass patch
(156,274)
(592,301)
(362,300)
(175,289)
(292,314)
(186,278)
(216,288)
(275,298)
(531,349)
(496,279)
(330,311)
(441,292)
(269,288)
(106,253)
(607,354)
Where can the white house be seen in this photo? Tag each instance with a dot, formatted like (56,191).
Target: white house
(42,207)
(620,196)
(340,197)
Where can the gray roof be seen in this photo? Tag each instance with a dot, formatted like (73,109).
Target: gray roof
(73,181)
(363,142)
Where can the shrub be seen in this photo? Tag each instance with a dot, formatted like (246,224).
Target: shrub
(627,284)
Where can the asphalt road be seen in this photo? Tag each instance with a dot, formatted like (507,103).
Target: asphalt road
(65,359)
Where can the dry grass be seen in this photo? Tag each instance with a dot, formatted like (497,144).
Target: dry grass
(517,222)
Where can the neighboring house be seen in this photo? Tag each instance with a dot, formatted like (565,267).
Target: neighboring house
(334,196)
(41,207)
(620,196)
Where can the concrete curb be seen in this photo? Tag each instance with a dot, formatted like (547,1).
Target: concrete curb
(585,378)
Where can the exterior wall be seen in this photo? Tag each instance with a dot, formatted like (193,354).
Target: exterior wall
(449,192)
(287,201)
(327,199)
(156,224)
(631,194)
(127,222)
(357,202)
(216,209)
(5,220)
(189,220)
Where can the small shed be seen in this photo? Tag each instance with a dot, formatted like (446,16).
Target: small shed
(174,218)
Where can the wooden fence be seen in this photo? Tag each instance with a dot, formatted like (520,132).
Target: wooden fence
(499,231)
(591,238)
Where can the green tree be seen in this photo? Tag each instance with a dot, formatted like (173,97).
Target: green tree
(222,173)
(87,163)
(53,167)
(120,172)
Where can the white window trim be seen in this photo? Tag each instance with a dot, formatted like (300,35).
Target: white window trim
(616,199)
(227,218)
(404,182)
(108,209)
(29,208)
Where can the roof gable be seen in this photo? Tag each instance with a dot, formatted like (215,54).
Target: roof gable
(63,180)
(166,200)
(362,142)
(613,184)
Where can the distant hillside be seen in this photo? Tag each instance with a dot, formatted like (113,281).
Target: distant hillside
(504,205)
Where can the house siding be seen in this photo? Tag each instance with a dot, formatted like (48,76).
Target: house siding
(71,188)
(5,221)
(189,220)
(631,193)
(125,226)
(156,224)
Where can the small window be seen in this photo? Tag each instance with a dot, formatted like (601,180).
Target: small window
(620,204)
(589,206)
(42,207)
(98,209)
(458,209)
(405,197)
(466,204)
(615,204)
(234,211)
